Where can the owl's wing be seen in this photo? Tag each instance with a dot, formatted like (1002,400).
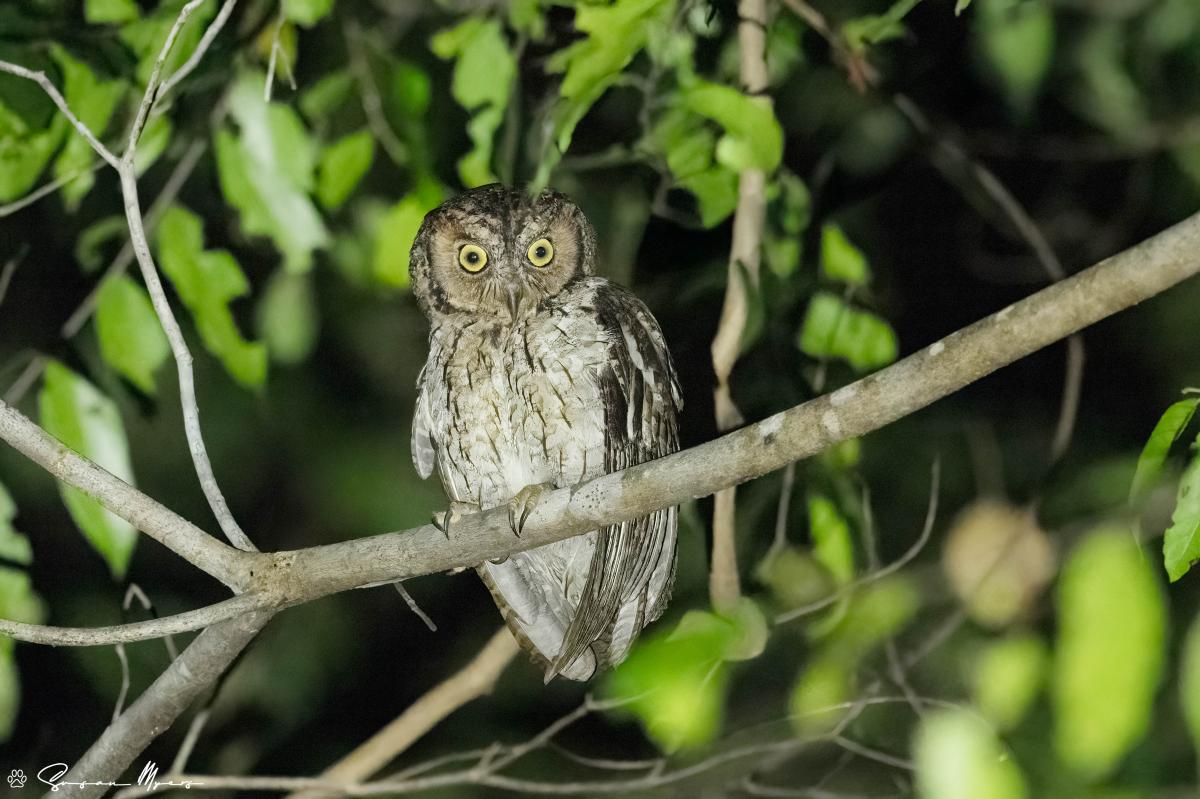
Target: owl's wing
(641,404)
(423,453)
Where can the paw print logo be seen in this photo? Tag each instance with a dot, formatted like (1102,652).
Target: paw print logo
(16,779)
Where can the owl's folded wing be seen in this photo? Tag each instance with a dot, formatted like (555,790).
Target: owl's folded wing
(641,404)
(423,453)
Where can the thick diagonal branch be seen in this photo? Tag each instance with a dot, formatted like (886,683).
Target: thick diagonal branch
(940,369)
(199,665)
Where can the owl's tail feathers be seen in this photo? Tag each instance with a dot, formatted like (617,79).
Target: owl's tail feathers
(535,611)
(630,567)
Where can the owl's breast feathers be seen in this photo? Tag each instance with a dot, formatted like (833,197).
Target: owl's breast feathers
(584,387)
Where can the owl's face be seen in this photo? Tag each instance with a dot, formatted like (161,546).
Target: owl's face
(497,252)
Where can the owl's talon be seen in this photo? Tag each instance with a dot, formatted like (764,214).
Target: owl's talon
(444,520)
(523,504)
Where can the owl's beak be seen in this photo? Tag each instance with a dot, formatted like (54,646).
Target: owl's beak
(514,300)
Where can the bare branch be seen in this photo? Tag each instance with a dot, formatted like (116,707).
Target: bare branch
(474,680)
(10,268)
(166,317)
(49,188)
(372,101)
(414,607)
(893,567)
(292,577)
(49,88)
(745,255)
(170,190)
(130,632)
(163,525)
(206,41)
(200,664)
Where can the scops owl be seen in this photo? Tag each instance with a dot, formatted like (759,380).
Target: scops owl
(541,374)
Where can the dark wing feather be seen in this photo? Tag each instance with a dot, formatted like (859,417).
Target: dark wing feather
(641,405)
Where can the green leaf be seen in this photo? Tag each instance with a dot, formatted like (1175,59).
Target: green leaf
(1189,681)
(342,166)
(307,12)
(958,756)
(287,317)
(14,546)
(1015,43)
(1154,454)
(484,71)
(841,260)
(1181,543)
(1108,94)
(834,329)
(613,35)
(961,6)
(716,193)
(793,577)
(25,151)
(833,545)
(675,683)
(266,173)
(877,28)
(753,138)
(18,602)
(1109,658)
(131,339)
(77,414)
(789,213)
(395,233)
(874,614)
(1007,677)
(103,12)
(324,97)
(93,101)
(207,281)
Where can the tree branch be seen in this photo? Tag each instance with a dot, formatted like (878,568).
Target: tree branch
(745,256)
(292,577)
(146,514)
(474,680)
(134,631)
(186,678)
(49,88)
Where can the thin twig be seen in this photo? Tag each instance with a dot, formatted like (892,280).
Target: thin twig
(166,196)
(414,607)
(473,680)
(29,375)
(940,369)
(55,95)
(130,632)
(369,96)
(10,269)
(49,188)
(197,55)
(275,49)
(935,480)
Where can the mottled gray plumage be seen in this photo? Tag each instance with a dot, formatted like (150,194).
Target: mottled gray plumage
(544,375)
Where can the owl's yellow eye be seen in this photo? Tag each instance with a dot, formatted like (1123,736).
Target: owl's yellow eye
(472,257)
(541,252)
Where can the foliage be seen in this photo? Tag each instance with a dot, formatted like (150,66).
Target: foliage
(1024,647)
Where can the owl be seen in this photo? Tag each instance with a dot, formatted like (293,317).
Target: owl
(541,374)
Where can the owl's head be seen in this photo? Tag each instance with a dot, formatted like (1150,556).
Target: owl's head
(497,252)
